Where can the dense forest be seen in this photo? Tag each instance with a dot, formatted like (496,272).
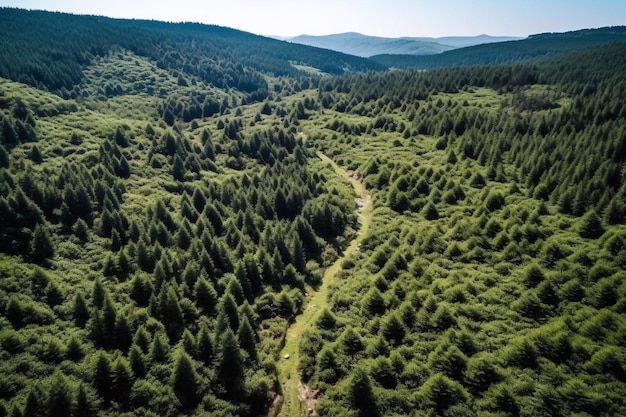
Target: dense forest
(167,211)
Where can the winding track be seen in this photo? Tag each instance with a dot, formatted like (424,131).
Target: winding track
(296,401)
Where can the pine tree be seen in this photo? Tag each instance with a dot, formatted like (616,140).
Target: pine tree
(98,295)
(230,369)
(15,313)
(102,377)
(361,394)
(246,338)
(159,350)
(59,397)
(123,336)
(205,346)
(137,361)
(228,308)
(178,169)
(188,343)
(35,155)
(74,349)
(4,157)
(591,227)
(185,381)
(172,315)
(108,318)
(35,406)
(42,248)
(206,296)
(82,405)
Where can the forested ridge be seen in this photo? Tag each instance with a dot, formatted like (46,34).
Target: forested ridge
(53,56)
(539,46)
(163,219)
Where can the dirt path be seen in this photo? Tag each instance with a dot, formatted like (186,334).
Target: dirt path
(298,399)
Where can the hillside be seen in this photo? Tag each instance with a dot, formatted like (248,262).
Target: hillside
(166,228)
(534,47)
(367,46)
(53,56)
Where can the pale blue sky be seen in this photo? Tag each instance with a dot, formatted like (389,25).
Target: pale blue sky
(392,18)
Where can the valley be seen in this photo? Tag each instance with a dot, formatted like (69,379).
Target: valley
(178,214)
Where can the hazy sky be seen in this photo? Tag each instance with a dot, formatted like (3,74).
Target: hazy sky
(391,18)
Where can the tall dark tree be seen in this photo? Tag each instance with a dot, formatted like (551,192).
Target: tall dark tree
(247,339)
(59,397)
(361,394)
(82,405)
(185,381)
(230,366)
(42,247)
(122,382)
(204,346)
(102,377)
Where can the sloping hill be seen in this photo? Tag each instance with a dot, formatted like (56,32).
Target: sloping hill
(534,47)
(53,56)
(366,46)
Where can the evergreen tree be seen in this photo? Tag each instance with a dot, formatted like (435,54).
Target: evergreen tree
(42,248)
(178,169)
(35,155)
(123,336)
(82,405)
(185,381)
(230,369)
(205,346)
(228,308)
(59,397)
(159,350)
(206,296)
(188,343)
(591,227)
(247,339)
(4,157)
(74,349)
(137,361)
(15,313)
(122,381)
(102,377)
(99,294)
(35,403)
(361,394)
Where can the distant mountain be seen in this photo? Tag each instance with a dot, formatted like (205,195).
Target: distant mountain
(365,46)
(534,47)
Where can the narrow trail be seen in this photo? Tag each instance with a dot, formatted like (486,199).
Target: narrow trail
(297,398)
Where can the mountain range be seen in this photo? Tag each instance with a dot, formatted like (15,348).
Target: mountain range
(366,46)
